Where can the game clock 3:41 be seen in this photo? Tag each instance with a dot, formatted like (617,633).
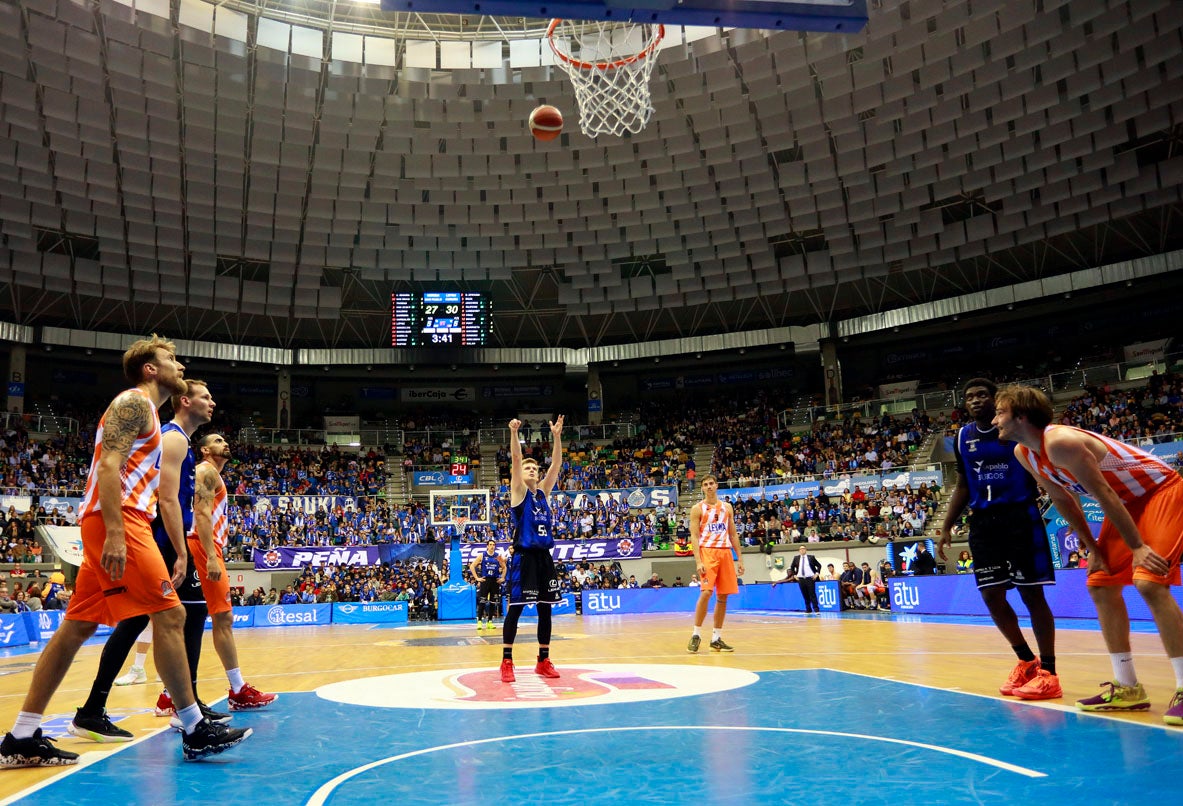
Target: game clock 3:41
(439,318)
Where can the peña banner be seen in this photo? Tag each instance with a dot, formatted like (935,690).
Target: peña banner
(288,558)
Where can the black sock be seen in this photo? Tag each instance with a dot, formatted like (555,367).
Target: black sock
(507,653)
(194,632)
(1048,662)
(1024,652)
(115,652)
(509,629)
(543,653)
(96,702)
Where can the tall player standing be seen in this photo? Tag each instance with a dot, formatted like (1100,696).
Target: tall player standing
(206,543)
(123,574)
(532,577)
(716,545)
(1141,538)
(1007,539)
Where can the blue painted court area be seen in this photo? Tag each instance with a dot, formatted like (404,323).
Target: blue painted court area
(790,736)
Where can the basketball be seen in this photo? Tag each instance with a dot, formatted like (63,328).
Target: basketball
(546,122)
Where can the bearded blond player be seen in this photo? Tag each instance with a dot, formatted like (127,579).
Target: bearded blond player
(716,545)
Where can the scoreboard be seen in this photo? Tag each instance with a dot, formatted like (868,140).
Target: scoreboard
(440,318)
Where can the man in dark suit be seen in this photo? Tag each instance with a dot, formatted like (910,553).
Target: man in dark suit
(805,570)
(924,564)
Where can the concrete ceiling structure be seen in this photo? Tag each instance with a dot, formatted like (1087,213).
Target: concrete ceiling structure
(268,173)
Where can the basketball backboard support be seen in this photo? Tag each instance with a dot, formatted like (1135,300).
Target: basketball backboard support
(834,16)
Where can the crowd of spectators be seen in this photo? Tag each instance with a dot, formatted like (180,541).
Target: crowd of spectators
(19,543)
(1144,415)
(413,581)
(272,470)
(56,466)
(32,593)
(753,452)
(866,515)
(372,520)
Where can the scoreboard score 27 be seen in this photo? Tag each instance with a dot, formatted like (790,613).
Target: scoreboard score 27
(439,318)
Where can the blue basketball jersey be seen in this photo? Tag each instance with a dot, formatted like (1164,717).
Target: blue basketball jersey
(185,492)
(990,469)
(533,524)
(490,567)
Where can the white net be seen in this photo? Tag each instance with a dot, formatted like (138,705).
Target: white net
(609,64)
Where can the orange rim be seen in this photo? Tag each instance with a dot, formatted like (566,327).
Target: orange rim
(602,65)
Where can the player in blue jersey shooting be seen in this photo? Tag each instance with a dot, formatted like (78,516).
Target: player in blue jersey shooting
(1007,539)
(532,578)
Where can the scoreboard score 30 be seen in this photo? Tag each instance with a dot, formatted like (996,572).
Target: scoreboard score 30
(439,318)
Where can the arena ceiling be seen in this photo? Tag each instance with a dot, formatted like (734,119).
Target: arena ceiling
(268,173)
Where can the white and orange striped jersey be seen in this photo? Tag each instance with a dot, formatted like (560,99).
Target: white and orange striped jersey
(714,524)
(220,521)
(1133,473)
(140,474)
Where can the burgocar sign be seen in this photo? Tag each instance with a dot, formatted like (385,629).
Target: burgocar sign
(370,613)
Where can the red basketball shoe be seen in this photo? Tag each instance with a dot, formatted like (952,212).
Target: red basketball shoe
(545,668)
(249,697)
(164,705)
(1023,673)
(507,675)
(1044,686)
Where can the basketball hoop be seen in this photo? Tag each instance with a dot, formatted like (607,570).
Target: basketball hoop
(460,524)
(609,63)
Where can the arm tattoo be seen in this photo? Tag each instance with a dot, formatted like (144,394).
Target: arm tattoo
(128,416)
(206,487)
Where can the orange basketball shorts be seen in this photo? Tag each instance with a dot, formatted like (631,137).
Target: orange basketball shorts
(145,587)
(217,594)
(719,571)
(1159,518)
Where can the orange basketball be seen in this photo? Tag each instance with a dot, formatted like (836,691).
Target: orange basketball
(546,123)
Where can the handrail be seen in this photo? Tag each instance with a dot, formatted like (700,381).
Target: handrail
(40,423)
(571,433)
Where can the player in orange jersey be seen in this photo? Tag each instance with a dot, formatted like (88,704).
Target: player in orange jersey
(206,543)
(1141,538)
(123,573)
(715,544)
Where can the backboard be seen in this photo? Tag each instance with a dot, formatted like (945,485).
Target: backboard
(836,16)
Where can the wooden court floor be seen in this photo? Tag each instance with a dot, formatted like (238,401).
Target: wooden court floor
(968,656)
